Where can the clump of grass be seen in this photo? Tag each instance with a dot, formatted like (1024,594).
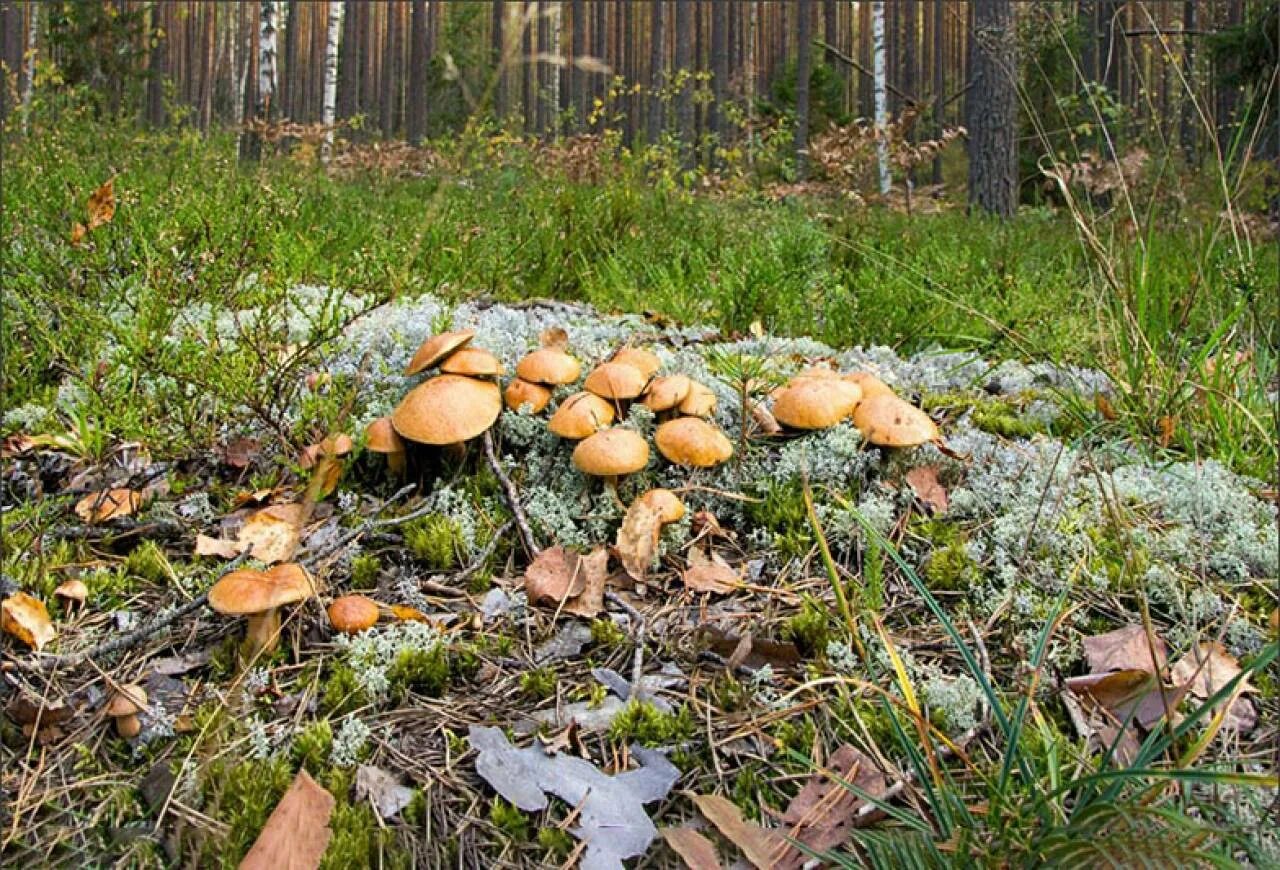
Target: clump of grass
(436,540)
(538,684)
(649,726)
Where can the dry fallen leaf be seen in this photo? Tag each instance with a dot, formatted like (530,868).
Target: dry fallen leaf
(1104,406)
(297,833)
(923,481)
(78,231)
(764,651)
(1205,671)
(382,789)
(555,336)
(764,419)
(408,614)
(102,204)
(695,850)
(709,572)
(1124,649)
(1134,695)
(824,813)
(273,533)
(241,452)
(207,546)
(552,577)
(98,507)
(27,619)
(638,538)
(757,844)
(594,568)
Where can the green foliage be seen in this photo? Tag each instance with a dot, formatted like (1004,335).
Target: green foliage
(509,820)
(100,49)
(809,628)
(649,726)
(949,567)
(342,693)
(781,510)
(607,633)
(557,842)
(360,841)
(365,568)
(312,745)
(539,684)
(423,671)
(242,795)
(149,562)
(436,540)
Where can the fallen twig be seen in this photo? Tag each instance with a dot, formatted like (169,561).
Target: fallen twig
(513,497)
(638,627)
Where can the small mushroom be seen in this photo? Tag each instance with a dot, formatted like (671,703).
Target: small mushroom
(870,384)
(816,403)
(616,380)
(521,392)
(888,421)
(473,361)
(381,437)
(436,348)
(259,595)
(700,402)
(352,614)
(549,365)
(332,445)
(580,415)
(667,504)
(448,409)
(124,706)
(611,453)
(71,593)
(667,392)
(692,441)
(646,362)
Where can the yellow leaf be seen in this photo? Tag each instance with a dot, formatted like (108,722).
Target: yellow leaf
(102,204)
(27,619)
(98,507)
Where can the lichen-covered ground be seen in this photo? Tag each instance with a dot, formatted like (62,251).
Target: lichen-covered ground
(1043,536)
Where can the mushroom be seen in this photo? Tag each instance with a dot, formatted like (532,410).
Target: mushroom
(580,415)
(667,392)
(381,437)
(436,348)
(474,361)
(549,365)
(692,441)
(700,402)
(71,593)
(352,614)
(332,445)
(124,706)
(870,384)
(259,595)
(816,403)
(888,421)
(448,409)
(817,372)
(643,361)
(521,392)
(611,453)
(616,380)
(666,503)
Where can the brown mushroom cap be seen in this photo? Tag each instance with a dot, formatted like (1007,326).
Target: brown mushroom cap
(436,348)
(643,361)
(521,392)
(128,700)
(72,590)
(448,409)
(700,402)
(352,613)
(870,384)
(888,421)
(817,372)
(816,403)
(549,365)
(580,415)
(668,505)
(247,592)
(667,392)
(474,361)
(616,380)
(381,437)
(692,441)
(611,452)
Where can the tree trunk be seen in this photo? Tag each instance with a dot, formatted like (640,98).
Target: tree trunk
(1188,121)
(158,67)
(499,51)
(289,83)
(264,83)
(329,103)
(684,74)
(804,64)
(657,14)
(529,69)
(939,85)
(348,63)
(1087,14)
(993,156)
(600,49)
(631,73)
(719,70)
(29,64)
(387,89)
(578,78)
(881,95)
(1227,97)
(416,102)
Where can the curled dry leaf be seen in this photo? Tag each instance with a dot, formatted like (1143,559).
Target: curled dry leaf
(697,852)
(272,534)
(405,613)
(382,789)
(638,538)
(594,567)
(759,845)
(102,204)
(824,813)
(27,619)
(1205,670)
(923,481)
(764,419)
(1125,648)
(207,546)
(709,573)
(107,504)
(1134,695)
(297,833)
(562,578)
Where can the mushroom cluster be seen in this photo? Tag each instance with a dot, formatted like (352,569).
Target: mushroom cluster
(819,398)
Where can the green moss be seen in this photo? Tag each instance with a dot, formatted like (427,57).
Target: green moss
(998,415)
(342,693)
(809,628)
(949,567)
(241,796)
(539,683)
(649,726)
(359,841)
(606,633)
(781,510)
(749,785)
(423,671)
(364,571)
(557,842)
(510,821)
(435,540)
(149,562)
(312,746)
(795,734)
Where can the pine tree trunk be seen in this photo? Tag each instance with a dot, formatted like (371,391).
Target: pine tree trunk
(416,102)
(157,72)
(1227,97)
(578,78)
(881,95)
(348,63)
(993,156)
(1187,120)
(657,38)
(939,84)
(528,82)
(719,70)
(265,81)
(29,64)
(631,72)
(289,76)
(387,89)
(329,103)
(804,64)
(684,73)
(498,50)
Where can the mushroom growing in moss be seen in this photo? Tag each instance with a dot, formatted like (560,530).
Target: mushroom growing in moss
(700,401)
(816,403)
(381,437)
(666,503)
(472,361)
(351,614)
(580,415)
(869,383)
(448,409)
(616,380)
(549,365)
(258,596)
(643,361)
(667,392)
(691,441)
(521,392)
(888,421)
(610,454)
(126,703)
(436,348)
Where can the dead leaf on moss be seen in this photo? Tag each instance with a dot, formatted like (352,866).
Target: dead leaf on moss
(760,846)
(695,850)
(923,481)
(26,618)
(556,337)
(1129,695)
(406,613)
(1125,648)
(709,572)
(763,651)
(272,534)
(207,546)
(1207,669)
(381,789)
(594,568)
(98,507)
(102,204)
(241,452)
(638,538)
(824,813)
(552,577)
(297,833)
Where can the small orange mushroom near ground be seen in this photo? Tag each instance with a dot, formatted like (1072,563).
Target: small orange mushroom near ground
(888,421)
(816,403)
(692,441)
(448,409)
(644,361)
(436,348)
(580,415)
(610,454)
(258,596)
(521,392)
(616,380)
(124,706)
(549,365)
(381,437)
(351,614)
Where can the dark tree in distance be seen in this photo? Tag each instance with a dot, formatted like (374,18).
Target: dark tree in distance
(804,70)
(992,143)
(657,17)
(416,100)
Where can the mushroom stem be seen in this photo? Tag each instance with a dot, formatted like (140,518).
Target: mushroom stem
(262,633)
(396,463)
(456,452)
(611,484)
(129,726)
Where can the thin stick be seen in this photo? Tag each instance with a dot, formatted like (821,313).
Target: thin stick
(513,497)
(638,626)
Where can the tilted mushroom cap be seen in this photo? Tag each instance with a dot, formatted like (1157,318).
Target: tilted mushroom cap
(247,592)
(128,700)
(448,409)
(611,452)
(700,402)
(665,393)
(615,380)
(692,441)
(887,421)
(72,590)
(580,415)
(436,348)
(549,365)
(643,361)
(352,613)
(474,361)
(521,392)
(816,403)
(668,505)
(870,384)
(381,437)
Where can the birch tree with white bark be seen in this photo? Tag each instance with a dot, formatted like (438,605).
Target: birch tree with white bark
(881,95)
(329,104)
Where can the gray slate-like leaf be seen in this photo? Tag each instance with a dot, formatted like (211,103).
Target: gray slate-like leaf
(388,795)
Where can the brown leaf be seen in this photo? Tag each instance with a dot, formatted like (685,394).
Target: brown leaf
(776,654)
(555,336)
(594,568)
(272,534)
(1124,649)
(709,572)
(1168,426)
(207,546)
(241,452)
(408,614)
(638,538)
(764,419)
(1206,670)
(102,204)
(98,507)
(757,844)
(551,577)
(297,833)
(695,850)
(1104,406)
(923,481)
(1132,694)
(824,813)
(27,619)
(78,231)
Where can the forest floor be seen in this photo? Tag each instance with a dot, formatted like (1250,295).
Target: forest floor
(1043,639)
